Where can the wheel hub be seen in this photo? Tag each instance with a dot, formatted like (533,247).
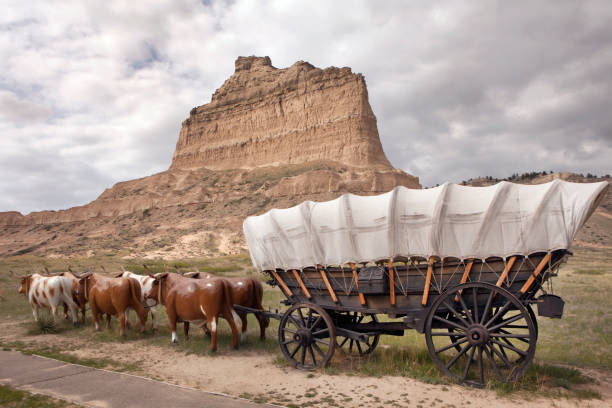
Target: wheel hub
(303,336)
(477,335)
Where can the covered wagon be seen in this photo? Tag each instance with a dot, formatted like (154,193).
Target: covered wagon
(463,265)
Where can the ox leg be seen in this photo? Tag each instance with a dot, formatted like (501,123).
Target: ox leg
(153,318)
(54,310)
(65,310)
(213,333)
(264,322)
(186,330)
(35,312)
(243,318)
(74,311)
(121,324)
(172,322)
(127,318)
(94,314)
(236,325)
(83,313)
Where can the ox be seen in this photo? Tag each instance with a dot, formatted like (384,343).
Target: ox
(146,284)
(112,296)
(77,296)
(197,301)
(246,292)
(48,292)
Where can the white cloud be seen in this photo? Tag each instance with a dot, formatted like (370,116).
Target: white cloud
(92,93)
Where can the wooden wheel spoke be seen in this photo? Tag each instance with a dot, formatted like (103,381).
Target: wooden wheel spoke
(318,349)
(500,312)
(309,319)
(343,342)
(498,373)
(485,312)
(455,344)
(468,364)
(294,352)
(509,346)
(505,334)
(295,322)
(299,310)
(502,356)
(448,334)
(303,355)
(480,366)
(449,322)
(312,355)
(452,309)
(322,341)
(289,342)
(465,308)
(351,345)
(314,325)
(359,346)
(320,331)
(504,322)
(475,303)
(289,330)
(459,354)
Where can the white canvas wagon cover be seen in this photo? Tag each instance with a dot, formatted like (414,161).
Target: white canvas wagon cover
(447,221)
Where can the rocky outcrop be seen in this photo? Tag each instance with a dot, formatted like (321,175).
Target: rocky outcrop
(263,115)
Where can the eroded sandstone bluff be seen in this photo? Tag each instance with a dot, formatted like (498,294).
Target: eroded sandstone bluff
(269,138)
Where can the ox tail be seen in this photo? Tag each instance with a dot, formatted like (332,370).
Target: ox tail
(257,294)
(136,299)
(230,301)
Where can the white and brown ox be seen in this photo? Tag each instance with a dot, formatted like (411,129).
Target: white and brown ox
(112,296)
(48,292)
(77,296)
(146,284)
(196,301)
(246,292)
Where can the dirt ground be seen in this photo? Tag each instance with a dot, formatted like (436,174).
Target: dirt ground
(255,376)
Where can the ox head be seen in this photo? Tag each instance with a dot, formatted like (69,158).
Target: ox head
(84,284)
(158,290)
(24,282)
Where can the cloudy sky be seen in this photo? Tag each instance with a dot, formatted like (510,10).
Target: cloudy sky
(92,93)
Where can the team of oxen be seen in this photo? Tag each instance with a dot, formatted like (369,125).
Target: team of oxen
(194,297)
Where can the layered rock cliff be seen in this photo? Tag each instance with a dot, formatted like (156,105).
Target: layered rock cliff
(263,115)
(269,138)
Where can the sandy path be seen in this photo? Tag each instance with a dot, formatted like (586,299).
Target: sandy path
(254,375)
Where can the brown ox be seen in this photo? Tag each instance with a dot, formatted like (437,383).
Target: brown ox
(197,301)
(246,292)
(112,296)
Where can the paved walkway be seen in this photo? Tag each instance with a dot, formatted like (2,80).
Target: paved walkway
(100,388)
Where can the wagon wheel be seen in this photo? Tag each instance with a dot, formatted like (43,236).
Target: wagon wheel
(494,331)
(306,336)
(362,348)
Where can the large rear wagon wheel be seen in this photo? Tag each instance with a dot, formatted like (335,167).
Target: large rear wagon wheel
(477,332)
(306,335)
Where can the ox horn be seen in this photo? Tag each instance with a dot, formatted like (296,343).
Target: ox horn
(148,271)
(166,268)
(47,271)
(103,268)
(18,276)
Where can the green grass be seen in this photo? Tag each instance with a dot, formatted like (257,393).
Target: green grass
(58,354)
(14,398)
(581,339)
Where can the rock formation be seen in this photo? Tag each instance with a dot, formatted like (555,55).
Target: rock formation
(269,138)
(263,115)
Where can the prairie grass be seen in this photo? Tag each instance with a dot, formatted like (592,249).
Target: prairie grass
(581,339)
(14,398)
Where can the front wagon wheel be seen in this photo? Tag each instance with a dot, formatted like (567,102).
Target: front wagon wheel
(477,332)
(306,335)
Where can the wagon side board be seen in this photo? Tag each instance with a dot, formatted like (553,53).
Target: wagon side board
(339,288)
